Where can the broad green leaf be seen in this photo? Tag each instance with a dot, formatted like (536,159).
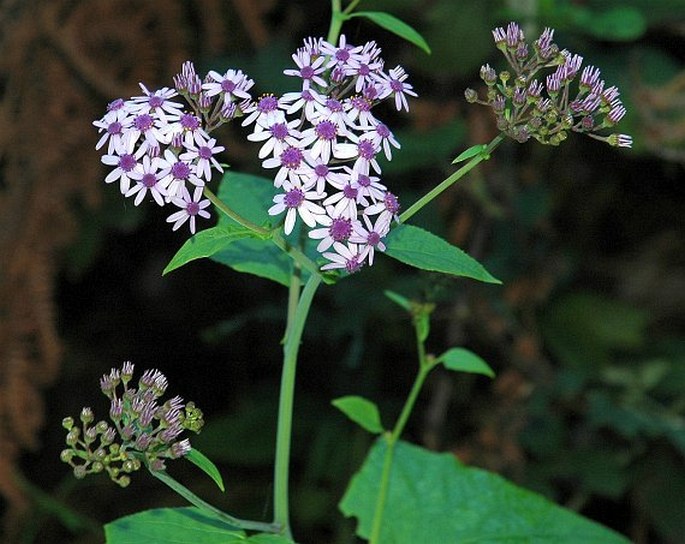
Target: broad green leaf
(417,247)
(207,243)
(172,526)
(362,411)
(251,196)
(433,498)
(463,360)
(258,257)
(248,195)
(396,26)
(470,152)
(207,466)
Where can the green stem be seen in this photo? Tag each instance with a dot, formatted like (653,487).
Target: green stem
(193,499)
(338,17)
(449,181)
(337,20)
(294,328)
(425,366)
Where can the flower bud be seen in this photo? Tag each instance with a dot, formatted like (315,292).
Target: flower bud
(66,456)
(87,415)
(68,423)
(80,472)
(471,96)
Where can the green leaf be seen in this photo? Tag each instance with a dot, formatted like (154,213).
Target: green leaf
(463,360)
(267,538)
(362,411)
(417,247)
(258,257)
(172,526)
(250,196)
(433,498)
(470,152)
(207,243)
(396,26)
(202,462)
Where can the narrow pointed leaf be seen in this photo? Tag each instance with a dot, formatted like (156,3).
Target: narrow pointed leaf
(202,462)
(463,360)
(470,152)
(206,243)
(396,26)
(433,498)
(362,411)
(422,249)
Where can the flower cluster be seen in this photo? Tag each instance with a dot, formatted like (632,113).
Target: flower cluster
(323,141)
(526,107)
(143,431)
(162,150)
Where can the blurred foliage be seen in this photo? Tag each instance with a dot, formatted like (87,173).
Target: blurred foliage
(586,335)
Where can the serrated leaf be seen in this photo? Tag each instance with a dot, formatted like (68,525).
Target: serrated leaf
(469,153)
(422,249)
(433,498)
(463,360)
(172,526)
(362,411)
(202,462)
(206,243)
(396,26)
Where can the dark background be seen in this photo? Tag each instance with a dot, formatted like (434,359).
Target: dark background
(586,334)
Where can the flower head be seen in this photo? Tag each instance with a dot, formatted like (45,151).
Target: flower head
(576,98)
(142,432)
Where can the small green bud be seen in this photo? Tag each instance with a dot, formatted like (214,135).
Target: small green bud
(124,481)
(128,466)
(68,423)
(66,456)
(97,467)
(80,472)
(101,427)
(72,437)
(100,454)
(87,415)
(471,96)
(504,76)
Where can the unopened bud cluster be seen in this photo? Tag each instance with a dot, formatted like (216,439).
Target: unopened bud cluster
(142,431)
(548,109)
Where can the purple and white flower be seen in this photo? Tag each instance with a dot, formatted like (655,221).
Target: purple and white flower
(191,206)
